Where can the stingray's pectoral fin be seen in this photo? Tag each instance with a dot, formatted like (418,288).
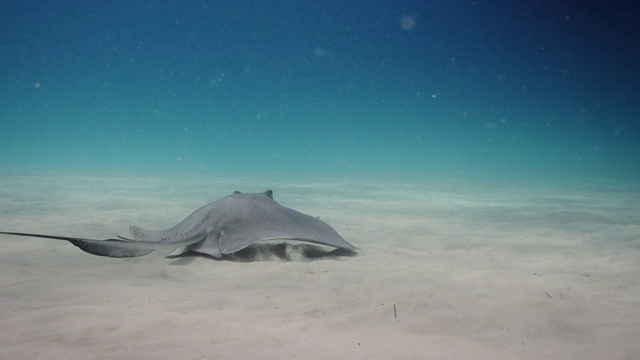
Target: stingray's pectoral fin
(208,246)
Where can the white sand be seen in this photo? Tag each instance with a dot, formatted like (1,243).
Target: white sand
(476,270)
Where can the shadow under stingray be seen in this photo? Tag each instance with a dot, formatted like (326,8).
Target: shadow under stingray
(270,252)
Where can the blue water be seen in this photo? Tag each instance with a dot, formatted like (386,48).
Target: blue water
(540,88)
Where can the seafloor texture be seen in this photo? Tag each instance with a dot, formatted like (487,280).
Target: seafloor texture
(447,269)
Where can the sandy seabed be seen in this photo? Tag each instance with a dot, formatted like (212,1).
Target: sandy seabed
(448,269)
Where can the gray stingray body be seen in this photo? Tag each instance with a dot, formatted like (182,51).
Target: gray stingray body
(222,227)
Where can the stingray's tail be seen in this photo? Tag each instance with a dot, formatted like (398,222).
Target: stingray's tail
(163,242)
(141,234)
(118,248)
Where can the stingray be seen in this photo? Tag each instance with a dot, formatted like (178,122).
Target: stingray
(220,228)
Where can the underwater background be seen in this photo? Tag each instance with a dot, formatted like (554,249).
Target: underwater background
(332,88)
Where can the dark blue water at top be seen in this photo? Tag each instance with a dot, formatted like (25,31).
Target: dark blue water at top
(540,88)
